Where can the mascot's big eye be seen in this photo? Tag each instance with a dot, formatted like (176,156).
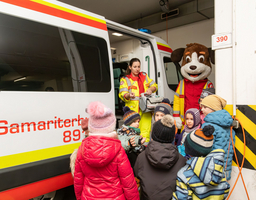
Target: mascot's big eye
(188,59)
(201,58)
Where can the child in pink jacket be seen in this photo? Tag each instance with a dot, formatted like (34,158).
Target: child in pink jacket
(102,169)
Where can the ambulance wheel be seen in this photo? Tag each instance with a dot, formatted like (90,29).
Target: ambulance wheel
(65,193)
(62,194)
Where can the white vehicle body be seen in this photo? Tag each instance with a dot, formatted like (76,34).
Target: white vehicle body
(234,42)
(40,129)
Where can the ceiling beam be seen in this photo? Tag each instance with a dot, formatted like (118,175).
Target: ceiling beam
(190,12)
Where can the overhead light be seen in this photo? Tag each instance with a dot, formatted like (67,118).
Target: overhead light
(19,79)
(112,48)
(164,4)
(117,34)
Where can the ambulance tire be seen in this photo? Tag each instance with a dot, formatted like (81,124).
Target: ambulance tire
(65,193)
(62,194)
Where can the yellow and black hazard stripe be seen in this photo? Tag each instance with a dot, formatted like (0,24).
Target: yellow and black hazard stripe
(246,114)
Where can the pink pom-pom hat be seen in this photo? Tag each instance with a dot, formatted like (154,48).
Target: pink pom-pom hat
(102,119)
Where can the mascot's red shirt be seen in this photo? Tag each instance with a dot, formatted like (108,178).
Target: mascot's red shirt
(192,93)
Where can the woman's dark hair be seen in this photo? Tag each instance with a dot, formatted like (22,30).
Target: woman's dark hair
(128,71)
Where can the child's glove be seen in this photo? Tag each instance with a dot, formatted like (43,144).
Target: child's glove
(178,122)
(181,149)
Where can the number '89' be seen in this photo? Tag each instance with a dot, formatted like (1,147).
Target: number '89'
(74,135)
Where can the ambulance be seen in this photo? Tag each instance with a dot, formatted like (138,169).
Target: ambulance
(54,60)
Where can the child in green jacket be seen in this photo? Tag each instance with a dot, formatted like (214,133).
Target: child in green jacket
(129,135)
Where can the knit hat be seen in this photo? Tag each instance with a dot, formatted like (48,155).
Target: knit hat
(214,102)
(130,116)
(196,118)
(207,92)
(164,130)
(199,142)
(164,107)
(102,119)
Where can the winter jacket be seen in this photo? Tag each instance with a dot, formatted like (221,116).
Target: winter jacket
(125,133)
(221,121)
(127,85)
(202,178)
(157,168)
(185,91)
(102,171)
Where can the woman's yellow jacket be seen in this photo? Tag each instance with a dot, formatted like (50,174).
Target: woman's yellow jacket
(127,85)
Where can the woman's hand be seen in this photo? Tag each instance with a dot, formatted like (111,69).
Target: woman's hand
(150,90)
(132,95)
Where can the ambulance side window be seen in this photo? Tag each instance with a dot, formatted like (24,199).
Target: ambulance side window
(36,57)
(95,62)
(172,71)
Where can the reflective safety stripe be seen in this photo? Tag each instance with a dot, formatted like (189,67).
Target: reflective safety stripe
(152,82)
(135,99)
(176,112)
(182,116)
(128,83)
(181,86)
(176,94)
(146,79)
(123,90)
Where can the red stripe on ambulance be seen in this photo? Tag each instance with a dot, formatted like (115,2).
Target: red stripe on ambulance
(38,188)
(56,12)
(164,48)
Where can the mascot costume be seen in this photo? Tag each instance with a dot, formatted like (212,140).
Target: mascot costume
(195,68)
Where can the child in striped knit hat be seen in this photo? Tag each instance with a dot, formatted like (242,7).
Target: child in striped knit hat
(203,176)
(129,135)
(193,122)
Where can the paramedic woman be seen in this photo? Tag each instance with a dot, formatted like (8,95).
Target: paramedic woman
(131,86)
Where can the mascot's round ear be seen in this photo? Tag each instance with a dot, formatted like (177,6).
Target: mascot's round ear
(177,54)
(212,55)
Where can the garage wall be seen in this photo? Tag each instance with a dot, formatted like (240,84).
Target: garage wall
(199,32)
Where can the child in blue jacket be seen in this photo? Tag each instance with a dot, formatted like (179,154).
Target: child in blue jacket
(212,107)
(203,176)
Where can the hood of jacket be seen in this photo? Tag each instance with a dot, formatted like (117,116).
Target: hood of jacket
(99,151)
(161,155)
(220,117)
(211,166)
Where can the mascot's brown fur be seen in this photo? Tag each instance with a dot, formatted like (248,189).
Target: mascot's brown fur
(195,68)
